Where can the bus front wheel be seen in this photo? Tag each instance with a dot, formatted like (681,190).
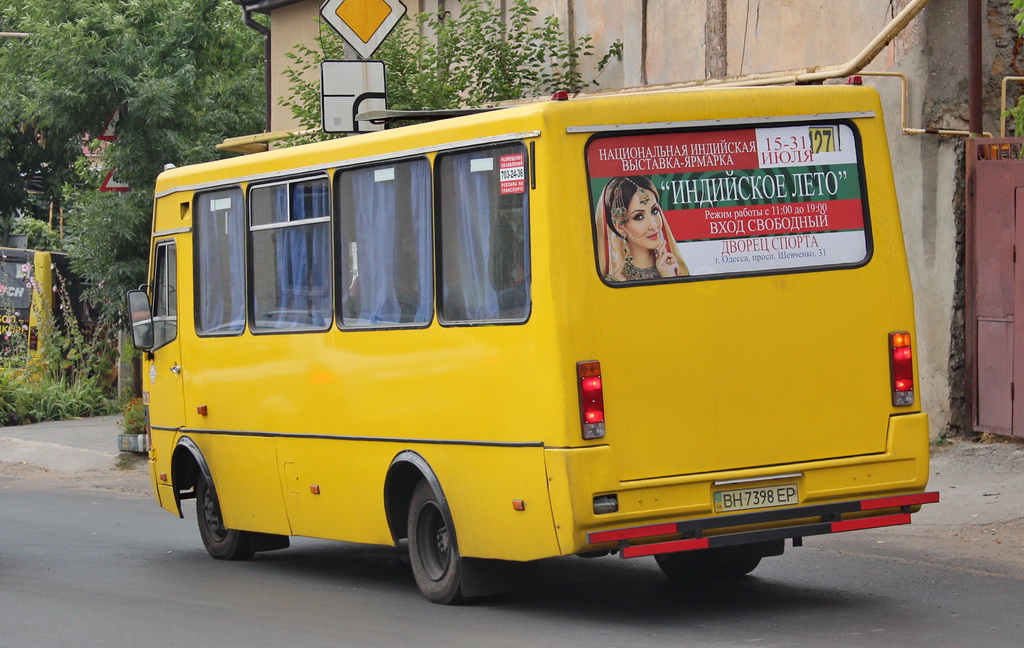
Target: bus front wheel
(221,543)
(433,551)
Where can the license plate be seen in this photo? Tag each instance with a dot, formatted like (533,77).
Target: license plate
(744,499)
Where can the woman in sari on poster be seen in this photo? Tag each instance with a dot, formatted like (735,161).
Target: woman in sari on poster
(635,239)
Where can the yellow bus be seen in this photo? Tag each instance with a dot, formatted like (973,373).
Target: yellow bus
(645,324)
(33,284)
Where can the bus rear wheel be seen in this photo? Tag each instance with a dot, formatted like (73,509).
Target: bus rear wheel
(221,543)
(433,551)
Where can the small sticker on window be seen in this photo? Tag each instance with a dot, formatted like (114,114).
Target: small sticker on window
(513,173)
(481,164)
(220,204)
(384,175)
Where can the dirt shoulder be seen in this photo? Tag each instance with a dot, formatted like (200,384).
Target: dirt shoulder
(129,478)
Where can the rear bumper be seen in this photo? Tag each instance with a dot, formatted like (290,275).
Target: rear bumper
(797,522)
(578,475)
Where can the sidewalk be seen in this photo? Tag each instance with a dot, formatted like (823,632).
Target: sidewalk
(979,483)
(65,446)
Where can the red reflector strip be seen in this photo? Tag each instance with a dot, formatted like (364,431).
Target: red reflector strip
(871,523)
(628,534)
(905,500)
(664,547)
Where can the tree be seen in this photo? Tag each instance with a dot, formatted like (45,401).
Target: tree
(484,55)
(184,73)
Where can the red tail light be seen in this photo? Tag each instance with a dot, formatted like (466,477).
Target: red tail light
(588,377)
(901,368)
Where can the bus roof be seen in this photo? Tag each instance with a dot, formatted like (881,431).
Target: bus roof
(697,106)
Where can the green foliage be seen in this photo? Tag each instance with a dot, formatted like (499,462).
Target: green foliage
(108,237)
(479,57)
(133,417)
(27,161)
(25,398)
(40,235)
(69,376)
(1017,112)
(186,73)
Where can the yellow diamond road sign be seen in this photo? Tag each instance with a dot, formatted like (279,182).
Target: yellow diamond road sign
(363,23)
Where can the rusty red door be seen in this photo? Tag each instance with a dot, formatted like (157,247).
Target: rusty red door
(995,285)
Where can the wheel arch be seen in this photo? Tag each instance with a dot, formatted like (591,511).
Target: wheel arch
(187,463)
(407,469)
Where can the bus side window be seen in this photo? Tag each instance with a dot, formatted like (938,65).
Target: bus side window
(165,295)
(384,245)
(290,228)
(220,263)
(483,231)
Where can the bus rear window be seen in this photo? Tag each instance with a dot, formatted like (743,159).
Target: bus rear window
(727,202)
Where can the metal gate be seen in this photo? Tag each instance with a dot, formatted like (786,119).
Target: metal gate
(995,285)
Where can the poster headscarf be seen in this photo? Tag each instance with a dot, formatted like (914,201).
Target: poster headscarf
(613,250)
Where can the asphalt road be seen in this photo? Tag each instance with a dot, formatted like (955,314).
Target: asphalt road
(89,567)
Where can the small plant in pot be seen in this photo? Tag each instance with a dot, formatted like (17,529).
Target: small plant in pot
(133,427)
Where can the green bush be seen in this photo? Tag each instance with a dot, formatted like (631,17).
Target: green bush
(68,377)
(133,417)
(40,235)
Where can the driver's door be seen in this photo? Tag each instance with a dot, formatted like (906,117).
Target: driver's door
(162,380)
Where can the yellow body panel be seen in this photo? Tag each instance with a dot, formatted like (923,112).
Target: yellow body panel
(708,380)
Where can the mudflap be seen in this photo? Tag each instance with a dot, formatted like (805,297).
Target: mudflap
(485,577)
(269,541)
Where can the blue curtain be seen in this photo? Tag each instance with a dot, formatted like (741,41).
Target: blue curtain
(284,239)
(320,253)
(302,256)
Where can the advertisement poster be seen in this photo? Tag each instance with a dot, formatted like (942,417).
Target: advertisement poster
(726,202)
(15,297)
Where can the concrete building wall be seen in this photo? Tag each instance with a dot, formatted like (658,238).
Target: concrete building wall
(290,25)
(667,41)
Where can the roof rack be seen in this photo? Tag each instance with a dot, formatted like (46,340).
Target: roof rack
(388,116)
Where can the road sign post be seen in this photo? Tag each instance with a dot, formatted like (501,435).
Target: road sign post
(364,24)
(348,88)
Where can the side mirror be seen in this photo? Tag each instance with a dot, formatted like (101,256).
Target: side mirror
(141,314)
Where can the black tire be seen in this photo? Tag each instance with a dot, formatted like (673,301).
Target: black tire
(433,550)
(691,566)
(740,567)
(221,543)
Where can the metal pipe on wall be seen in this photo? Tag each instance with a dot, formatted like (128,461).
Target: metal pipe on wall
(974,101)
(816,74)
(265,32)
